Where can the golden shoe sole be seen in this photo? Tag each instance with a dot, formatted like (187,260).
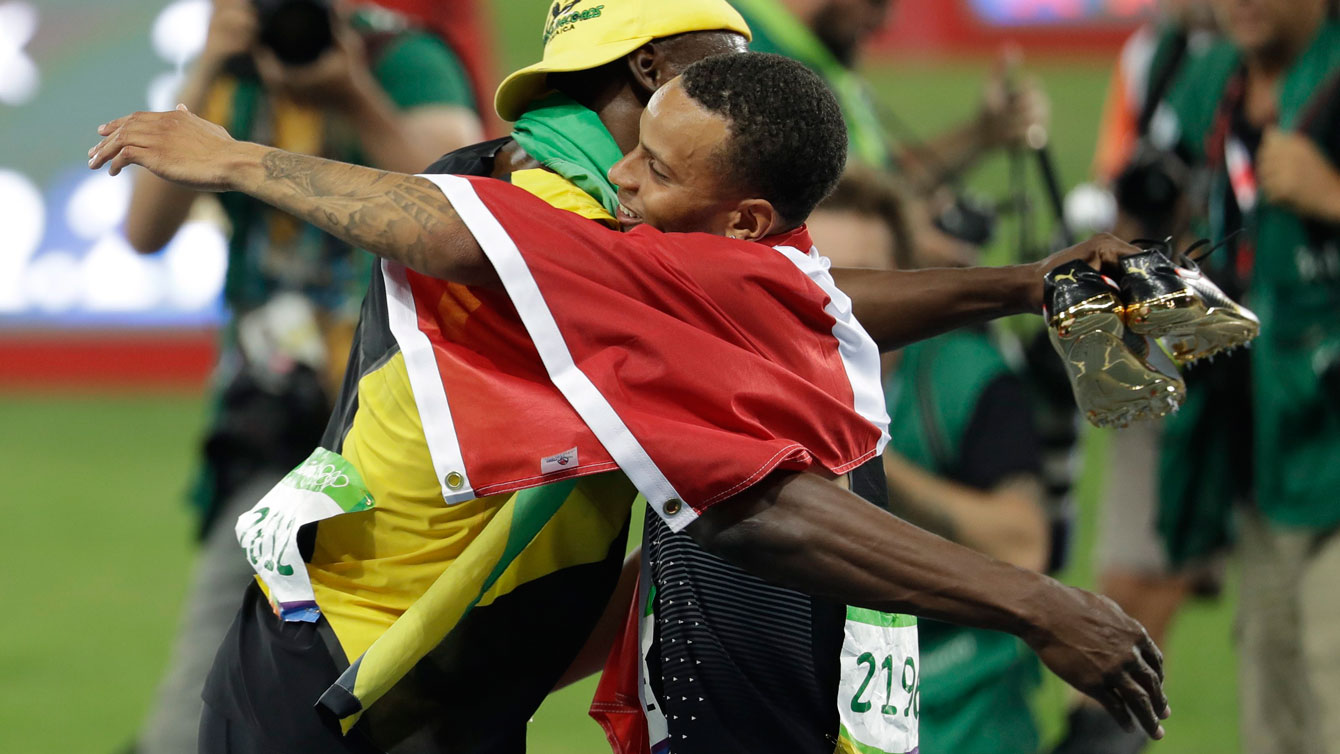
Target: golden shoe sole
(1193,331)
(1112,385)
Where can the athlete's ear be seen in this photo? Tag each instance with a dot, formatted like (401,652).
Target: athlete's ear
(649,69)
(753,219)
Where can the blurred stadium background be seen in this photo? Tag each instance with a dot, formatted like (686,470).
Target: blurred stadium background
(103,353)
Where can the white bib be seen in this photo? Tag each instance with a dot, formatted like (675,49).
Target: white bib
(323,486)
(879,685)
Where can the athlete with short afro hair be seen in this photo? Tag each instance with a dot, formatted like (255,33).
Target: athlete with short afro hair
(788,141)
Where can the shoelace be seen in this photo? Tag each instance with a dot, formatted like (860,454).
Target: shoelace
(1189,256)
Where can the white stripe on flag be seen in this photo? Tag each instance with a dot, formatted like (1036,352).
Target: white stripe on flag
(860,355)
(425,382)
(575,386)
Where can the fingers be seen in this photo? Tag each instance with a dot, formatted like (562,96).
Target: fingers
(108,147)
(1138,699)
(1105,252)
(106,129)
(117,135)
(1153,656)
(1115,707)
(105,149)
(125,156)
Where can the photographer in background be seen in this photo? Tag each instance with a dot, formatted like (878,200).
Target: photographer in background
(1252,453)
(359,85)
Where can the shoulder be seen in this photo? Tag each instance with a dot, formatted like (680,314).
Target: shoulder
(957,368)
(561,193)
(475,159)
(1206,73)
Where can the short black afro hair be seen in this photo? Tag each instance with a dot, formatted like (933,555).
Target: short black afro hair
(788,141)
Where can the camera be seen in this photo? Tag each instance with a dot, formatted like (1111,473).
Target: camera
(1151,189)
(968,218)
(297,31)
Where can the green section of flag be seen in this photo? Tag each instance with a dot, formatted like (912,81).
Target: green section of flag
(445,604)
(533,509)
(569,139)
(883,620)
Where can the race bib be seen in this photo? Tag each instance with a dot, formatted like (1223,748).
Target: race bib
(879,686)
(323,486)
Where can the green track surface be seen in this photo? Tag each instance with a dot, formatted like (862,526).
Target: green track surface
(99,540)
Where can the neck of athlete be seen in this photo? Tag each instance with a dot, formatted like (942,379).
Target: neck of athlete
(616,100)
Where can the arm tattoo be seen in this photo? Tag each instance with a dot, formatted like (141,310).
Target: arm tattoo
(400,217)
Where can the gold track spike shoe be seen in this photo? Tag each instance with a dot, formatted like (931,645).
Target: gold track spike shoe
(1179,303)
(1109,366)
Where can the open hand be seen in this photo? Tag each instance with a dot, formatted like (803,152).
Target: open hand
(1092,645)
(175,145)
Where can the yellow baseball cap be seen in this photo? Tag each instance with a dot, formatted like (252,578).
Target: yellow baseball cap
(583,34)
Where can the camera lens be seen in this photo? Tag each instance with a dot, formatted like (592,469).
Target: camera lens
(298,31)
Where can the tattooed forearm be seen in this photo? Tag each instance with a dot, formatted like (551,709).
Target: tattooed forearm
(400,217)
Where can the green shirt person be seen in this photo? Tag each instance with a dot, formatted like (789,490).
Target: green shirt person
(1285,263)
(387,93)
(1263,429)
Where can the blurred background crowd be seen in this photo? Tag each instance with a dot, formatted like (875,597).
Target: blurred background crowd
(164,358)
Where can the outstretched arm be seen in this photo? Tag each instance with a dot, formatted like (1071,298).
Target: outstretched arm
(898,307)
(401,217)
(803,532)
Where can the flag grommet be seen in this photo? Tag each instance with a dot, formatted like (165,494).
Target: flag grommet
(672,506)
(454,480)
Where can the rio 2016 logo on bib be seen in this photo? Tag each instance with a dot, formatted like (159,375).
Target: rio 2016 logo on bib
(323,486)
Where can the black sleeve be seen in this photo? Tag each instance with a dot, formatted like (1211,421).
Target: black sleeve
(476,159)
(1001,440)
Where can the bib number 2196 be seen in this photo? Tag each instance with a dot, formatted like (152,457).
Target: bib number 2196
(879,700)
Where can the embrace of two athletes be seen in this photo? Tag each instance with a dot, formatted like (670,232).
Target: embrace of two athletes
(671,331)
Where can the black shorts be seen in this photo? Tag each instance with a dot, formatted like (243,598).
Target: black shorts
(267,675)
(473,694)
